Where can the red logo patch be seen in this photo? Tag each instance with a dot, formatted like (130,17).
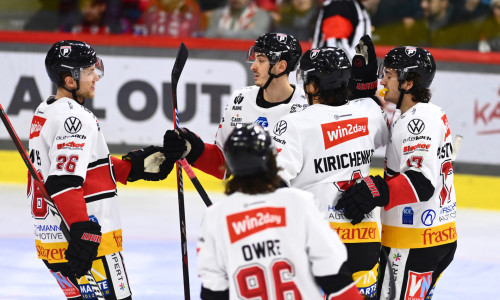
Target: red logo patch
(336,133)
(418,285)
(36,126)
(249,222)
(445,121)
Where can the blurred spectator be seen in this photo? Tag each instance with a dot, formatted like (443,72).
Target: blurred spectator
(54,16)
(131,12)
(239,19)
(171,18)
(341,24)
(439,13)
(490,29)
(97,17)
(208,5)
(443,27)
(473,9)
(297,18)
(393,23)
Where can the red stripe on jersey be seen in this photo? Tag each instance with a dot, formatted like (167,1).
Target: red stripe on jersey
(98,180)
(401,191)
(72,205)
(337,27)
(350,293)
(122,169)
(212,161)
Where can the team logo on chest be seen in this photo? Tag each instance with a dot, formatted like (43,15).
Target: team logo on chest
(416,126)
(72,125)
(238,99)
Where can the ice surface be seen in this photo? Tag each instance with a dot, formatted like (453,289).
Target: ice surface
(152,249)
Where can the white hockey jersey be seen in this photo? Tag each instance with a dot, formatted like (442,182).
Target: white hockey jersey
(420,141)
(243,109)
(325,149)
(66,139)
(258,246)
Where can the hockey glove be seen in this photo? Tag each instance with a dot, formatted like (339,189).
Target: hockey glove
(148,164)
(194,146)
(82,248)
(363,197)
(363,81)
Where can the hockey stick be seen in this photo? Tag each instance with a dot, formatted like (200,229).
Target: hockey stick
(50,203)
(456,146)
(180,61)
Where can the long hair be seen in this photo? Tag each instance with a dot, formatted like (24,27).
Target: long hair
(419,94)
(256,183)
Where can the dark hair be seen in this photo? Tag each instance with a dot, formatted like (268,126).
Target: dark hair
(333,97)
(256,183)
(419,93)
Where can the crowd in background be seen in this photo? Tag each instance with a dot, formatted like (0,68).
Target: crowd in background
(459,24)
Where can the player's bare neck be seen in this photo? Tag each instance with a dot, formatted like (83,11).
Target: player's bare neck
(62,93)
(278,91)
(407,103)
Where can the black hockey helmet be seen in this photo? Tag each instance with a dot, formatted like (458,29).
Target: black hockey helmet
(277,46)
(330,65)
(71,56)
(409,59)
(248,150)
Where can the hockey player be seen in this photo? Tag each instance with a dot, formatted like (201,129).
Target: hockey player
(67,147)
(327,147)
(341,23)
(273,56)
(263,242)
(418,195)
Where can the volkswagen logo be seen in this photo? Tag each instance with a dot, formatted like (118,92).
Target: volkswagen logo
(72,125)
(416,126)
(280,128)
(428,217)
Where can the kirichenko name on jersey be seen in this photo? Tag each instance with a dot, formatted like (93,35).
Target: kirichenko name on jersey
(342,161)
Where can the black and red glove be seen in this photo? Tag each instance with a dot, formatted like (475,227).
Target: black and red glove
(82,248)
(148,164)
(191,148)
(363,197)
(363,81)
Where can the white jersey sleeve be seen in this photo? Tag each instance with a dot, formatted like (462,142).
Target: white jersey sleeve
(287,134)
(211,266)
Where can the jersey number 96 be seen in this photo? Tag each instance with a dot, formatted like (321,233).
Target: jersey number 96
(252,283)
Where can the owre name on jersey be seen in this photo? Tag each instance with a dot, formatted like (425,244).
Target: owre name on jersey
(342,161)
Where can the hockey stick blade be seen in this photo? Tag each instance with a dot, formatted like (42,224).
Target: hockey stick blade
(39,183)
(180,61)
